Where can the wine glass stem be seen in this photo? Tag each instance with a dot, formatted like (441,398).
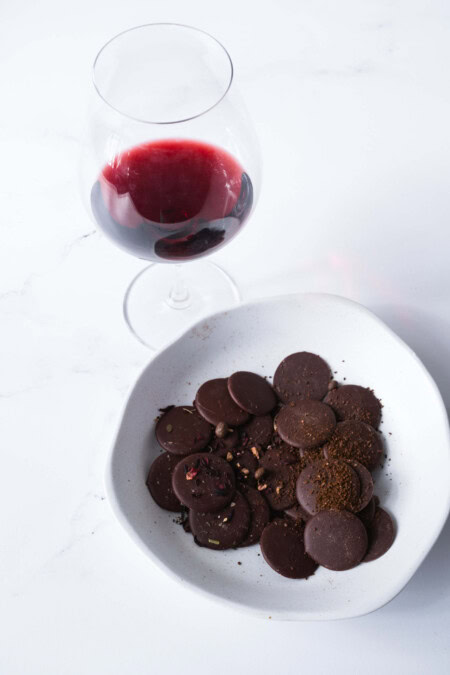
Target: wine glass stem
(179,296)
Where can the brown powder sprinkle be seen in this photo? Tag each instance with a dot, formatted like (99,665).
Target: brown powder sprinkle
(336,486)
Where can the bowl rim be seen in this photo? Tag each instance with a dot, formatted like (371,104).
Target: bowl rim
(289,615)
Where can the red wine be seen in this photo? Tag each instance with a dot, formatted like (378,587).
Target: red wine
(172,199)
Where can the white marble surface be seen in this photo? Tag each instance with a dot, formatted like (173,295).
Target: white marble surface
(351,101)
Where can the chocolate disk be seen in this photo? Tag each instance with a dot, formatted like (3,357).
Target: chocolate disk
(366,483)
(182,431)
(352,402)
(280,487)
(259,512)
(298,513)
(223,529)
(159,482)
(279,455)
(305,424)
(258,431)
(354,439)
(221,446)
(215,404)
(381,535)
(283,549)
(328,484)
(336,539)
(366,514)
(204,482)
(301,376)
(251,392)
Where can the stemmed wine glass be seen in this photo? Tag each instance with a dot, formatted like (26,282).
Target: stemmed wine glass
(171,170)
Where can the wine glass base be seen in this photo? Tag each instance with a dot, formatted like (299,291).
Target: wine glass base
(159,306)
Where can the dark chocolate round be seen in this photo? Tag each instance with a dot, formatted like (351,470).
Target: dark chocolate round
(381,535)
(366,483)
(280,487)
(215,404)
(251,392)
(354,439)
(222,529)
(259,512)
(328,484)
(258,431)
(283,549)
(367,513)
(298,513)
(159,482)
(305,424)
(336,539)
(352,402)
(302,376)
(182,431)
(279,455)
(204,482)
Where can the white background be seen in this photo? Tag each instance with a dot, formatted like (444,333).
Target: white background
(351,102)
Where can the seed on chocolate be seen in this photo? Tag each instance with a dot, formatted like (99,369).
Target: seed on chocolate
(262,486)
(259,473)
(255,450)
(169,428)
(245,471)
(229,456)
(214,541)
(222,430)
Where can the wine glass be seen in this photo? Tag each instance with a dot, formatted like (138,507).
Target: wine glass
(171,170)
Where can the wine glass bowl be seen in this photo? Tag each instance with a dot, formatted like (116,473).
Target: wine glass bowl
(172,168)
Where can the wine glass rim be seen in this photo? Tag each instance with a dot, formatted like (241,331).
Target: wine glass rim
(149,25)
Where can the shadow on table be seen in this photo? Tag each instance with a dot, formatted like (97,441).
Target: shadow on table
(427,334)
(431,583)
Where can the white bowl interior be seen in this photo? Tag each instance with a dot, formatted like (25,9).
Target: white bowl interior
(413,485)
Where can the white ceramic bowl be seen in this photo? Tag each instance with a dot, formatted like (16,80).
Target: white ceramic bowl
(413,486)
